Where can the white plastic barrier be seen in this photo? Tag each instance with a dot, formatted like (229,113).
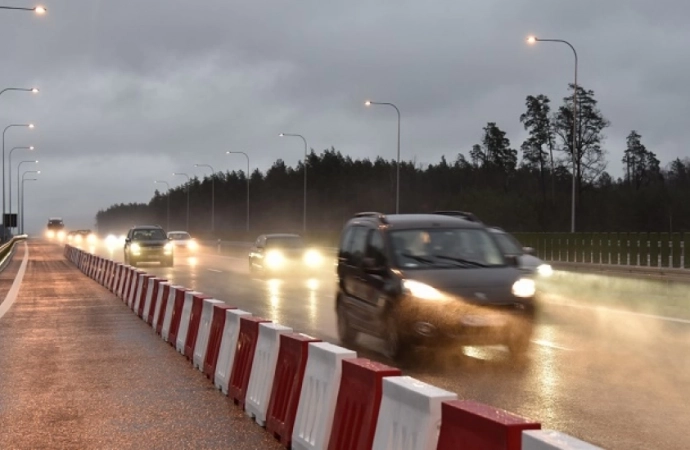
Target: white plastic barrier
(134,283)
(169,307)
(226,353)
(204,331)
(410,414)
(105,265)
(126,273)
(159,303)
(318,397)
(141,285)
(184,320)
(263,370)
(149,296)
(553,440)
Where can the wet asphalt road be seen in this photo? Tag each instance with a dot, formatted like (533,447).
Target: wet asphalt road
(78,370)
(617,376)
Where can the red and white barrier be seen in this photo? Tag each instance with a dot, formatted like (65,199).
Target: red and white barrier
(357,407)
(204,333)
(319,393)
(228,345)
(311,394)
(553,440)
(263,370)
(410,414)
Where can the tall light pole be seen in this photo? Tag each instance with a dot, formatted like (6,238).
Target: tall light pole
(37,9)
(23,180)
(213,195)
(397,165)
(532,40)
(304,208)
(19,179)
(247,156)
(27,125)
(168,196)
(188,183)
(10,176)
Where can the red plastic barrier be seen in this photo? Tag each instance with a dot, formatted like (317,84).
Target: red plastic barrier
(214,339)
(129,280)
(357,408)
(164,306)
(176,315)
(244,357)
(287,385)
(194,322)
(468,424)
(148,315)
(142,296)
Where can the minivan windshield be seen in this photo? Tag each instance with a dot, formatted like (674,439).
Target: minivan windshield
(149,234)
(445,248)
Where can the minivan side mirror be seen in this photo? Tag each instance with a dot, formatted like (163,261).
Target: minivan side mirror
(513,261)
(128,240)
(529,251)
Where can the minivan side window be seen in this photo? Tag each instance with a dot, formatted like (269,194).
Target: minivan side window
(376,248)
(354,245)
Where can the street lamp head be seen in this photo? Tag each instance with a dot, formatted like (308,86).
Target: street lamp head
(36,161)
(31,125)
(31,148)
(367,103)
(532,39)
(35,90)
(281,134)
(38,171)
(40,10)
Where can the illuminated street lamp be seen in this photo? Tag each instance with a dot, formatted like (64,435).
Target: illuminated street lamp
(397,182)
(247,156)
(40,10)
(188,183)
(534,40)
(27,125)
(10,176)
(213,195)
(304,208)
(168,196)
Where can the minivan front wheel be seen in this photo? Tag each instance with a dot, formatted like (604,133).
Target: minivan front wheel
(345,332)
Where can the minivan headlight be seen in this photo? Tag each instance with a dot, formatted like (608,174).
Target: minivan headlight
(274,259)
(313,258)
(545,270)
(168,248)
(136,248)
(422,290)
(524,287)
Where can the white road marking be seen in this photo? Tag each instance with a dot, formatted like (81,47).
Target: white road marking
(544,343)
(215,270)
(620,311)
(16,284)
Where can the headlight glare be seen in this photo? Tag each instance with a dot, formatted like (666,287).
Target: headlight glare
(136,248)
(313,258)
(524,287)
(275,259)
(91,238)
(545,270)
(421,290)
(168,248)
(192,245)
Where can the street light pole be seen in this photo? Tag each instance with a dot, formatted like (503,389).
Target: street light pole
(168,196)
(304,208)
(397,182)
(531,40)
(10,178)
(36,9)
(213,195)
(28,125)
(188,183)
(247,156)
(19,179)
(23,180)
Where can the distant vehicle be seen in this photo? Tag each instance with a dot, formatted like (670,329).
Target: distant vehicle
(183,241)
(429,279)
(148,243)
(283,254)
(56,228)
(527,260)
(79,236)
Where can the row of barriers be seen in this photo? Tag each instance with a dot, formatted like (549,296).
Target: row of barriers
(307,393)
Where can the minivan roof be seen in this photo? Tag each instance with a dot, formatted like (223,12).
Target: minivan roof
(412,221)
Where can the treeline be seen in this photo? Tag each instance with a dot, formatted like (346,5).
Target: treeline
(521,190)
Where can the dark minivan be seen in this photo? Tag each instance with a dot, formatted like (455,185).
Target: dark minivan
(420,279)
(148,243)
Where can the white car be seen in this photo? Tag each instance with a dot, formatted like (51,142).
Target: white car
(512,247)
(183,241)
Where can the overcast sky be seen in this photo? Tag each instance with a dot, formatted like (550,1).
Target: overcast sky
(132,90)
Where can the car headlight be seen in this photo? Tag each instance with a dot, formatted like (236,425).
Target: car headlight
(275,259)
(91,238)
(545,270)
(313,258)
(135,248)
(192,245)
(50,234)
(524,287)
(168,248)
(61,235)
(421,290)
(111,240)
(78,238)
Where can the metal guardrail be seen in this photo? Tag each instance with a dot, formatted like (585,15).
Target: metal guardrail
(7,250)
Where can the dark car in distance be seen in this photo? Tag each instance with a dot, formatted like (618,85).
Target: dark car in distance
(148,243)
(283,254)
(429,279)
